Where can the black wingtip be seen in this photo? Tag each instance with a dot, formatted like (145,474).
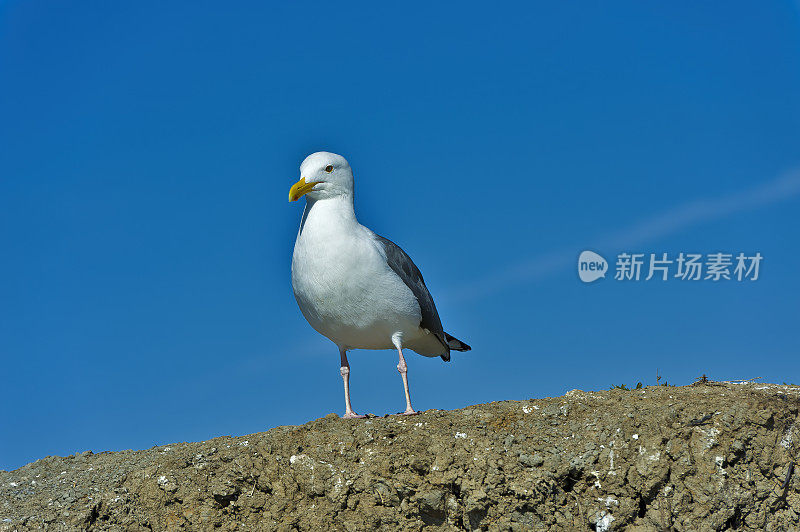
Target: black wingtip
(456,344)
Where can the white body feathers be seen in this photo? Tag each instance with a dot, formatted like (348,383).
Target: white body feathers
(345,288)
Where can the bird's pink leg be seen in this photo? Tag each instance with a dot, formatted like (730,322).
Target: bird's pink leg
(403,369)
(345,371)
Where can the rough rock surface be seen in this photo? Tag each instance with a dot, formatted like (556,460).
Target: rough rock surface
(705,457)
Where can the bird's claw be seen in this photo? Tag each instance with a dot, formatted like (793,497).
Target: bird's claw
(353,415)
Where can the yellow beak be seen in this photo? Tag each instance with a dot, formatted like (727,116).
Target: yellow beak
(300,189)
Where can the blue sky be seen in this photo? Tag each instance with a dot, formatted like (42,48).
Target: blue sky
(146,151)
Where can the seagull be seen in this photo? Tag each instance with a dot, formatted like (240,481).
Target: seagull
(356,288)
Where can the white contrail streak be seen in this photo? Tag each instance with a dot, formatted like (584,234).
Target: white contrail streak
(693,213)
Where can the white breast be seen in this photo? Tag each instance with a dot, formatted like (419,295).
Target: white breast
(343,285)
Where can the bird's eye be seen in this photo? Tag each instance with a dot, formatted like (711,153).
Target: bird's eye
(329,168)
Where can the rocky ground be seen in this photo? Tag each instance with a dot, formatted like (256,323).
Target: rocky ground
(711,456)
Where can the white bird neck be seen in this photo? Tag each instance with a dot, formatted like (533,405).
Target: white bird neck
(329,214)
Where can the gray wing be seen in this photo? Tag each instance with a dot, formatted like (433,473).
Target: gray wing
(404,267)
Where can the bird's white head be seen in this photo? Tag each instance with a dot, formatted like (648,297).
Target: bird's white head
(323,175)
